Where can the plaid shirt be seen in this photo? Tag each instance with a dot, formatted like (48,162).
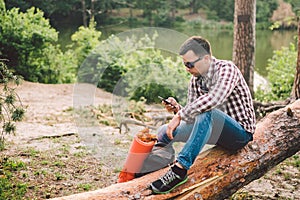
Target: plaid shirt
(223,87)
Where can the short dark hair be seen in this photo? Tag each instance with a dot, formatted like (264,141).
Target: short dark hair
(197,44)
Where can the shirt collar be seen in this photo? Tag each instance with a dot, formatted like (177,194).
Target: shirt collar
(211,69)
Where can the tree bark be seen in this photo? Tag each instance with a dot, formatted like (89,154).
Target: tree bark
(244,39)
(193,7)
(93,9)
(84,16)
(218,173)
(173,9)
(296,86)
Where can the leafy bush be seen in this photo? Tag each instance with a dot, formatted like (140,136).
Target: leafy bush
(83,42)
(264,10)
(281,72)
(11,109)
(154,74)
(28,41)
(130,67)
(104,66)
(151,91)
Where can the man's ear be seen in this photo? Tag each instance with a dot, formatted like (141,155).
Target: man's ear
(207,59)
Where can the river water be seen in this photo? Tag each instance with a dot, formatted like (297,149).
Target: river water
(221,41)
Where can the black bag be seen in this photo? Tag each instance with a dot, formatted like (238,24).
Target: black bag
(161,156)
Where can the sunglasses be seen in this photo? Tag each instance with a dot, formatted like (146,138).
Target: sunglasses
(191,64)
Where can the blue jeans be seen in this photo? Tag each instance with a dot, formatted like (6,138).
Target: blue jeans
(212,127)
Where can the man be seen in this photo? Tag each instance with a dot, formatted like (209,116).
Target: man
(219,111)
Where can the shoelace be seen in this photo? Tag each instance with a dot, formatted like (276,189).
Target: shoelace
(169,177)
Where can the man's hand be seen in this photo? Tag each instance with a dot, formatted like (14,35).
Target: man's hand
(173,106)
(173,125)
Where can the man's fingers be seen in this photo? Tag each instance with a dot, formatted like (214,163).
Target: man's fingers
(170,108)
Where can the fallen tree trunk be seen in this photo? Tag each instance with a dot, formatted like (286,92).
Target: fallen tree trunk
(217,173)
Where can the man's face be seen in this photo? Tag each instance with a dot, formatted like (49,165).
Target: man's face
(196,65)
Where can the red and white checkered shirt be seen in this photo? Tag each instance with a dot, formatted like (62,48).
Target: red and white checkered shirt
(223,87)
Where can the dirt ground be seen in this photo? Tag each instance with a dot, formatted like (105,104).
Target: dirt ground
(67,153)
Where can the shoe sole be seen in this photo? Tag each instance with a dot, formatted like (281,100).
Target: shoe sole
(166,192)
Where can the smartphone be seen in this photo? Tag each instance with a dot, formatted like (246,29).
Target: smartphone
(165,100)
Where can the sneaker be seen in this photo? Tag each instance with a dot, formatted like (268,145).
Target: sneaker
(168,182)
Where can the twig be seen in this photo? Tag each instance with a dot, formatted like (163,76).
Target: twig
(127,121)
(54,136)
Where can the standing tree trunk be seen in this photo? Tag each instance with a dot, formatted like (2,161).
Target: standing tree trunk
(193,7)
(244,39)
(92,9)
(173,9)
(296,87)
(84,17)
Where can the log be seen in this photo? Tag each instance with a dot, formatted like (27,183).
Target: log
(218,173)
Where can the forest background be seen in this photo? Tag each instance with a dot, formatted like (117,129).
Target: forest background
(30,40)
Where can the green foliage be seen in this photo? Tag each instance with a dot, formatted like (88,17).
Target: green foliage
(224,10)
(85,187)
(155,13)
(104,65)
(155,74)
(11,109)
(2,6)
(24,35)
(295,161)
(151,91)
(8,188)
(264,10)
(129,68)
(84,41)
(28,41)
(50,7)
(281,68)
(219,9)
(162,18)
